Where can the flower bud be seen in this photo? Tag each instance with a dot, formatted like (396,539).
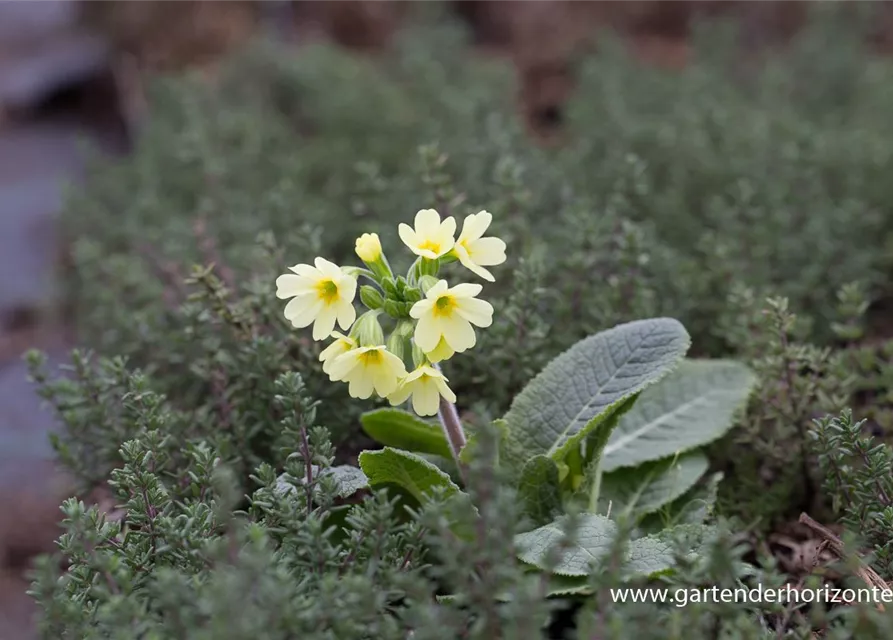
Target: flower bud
(367,330)
(368,247)
(371,297)
(412,295)
(394,309)
(390,288)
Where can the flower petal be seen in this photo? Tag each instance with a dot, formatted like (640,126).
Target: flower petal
(425,399)
(421,308)
(477,312)
(458,333)
(427,223)
(289,286)
(428,332)
(407,235)
(343,365)
(325,323)
(488,251)
(306,271)
(444,390)
(346,314)
(475,225)
(401,394)
(329,269)
(466,290)
(303,310)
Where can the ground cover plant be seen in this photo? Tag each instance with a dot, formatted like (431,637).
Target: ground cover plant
(673,352)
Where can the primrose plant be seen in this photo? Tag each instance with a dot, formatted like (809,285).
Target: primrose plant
(432,320)
(609,432)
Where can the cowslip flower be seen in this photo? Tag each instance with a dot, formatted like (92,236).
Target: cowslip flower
(426,385)
(448,313)
(322,294)
(341,344)
(368,369)
(431,237)
(476,252)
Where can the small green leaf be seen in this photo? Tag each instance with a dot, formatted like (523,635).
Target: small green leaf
(539,490)
(586,384)
(644,489)
(403,430)
(416,475)
(689,408)
(693,507)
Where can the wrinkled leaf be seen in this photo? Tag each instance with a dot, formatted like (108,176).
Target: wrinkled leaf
(692,406)
(411,472)
(348,480)
(403,430)
(582,387)
(594,541)
(539,490)
(693,507)
(648,487)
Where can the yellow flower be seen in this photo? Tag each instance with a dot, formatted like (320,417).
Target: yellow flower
(476,252)
(448,313)
(442,351)
(322,295)
(342,344)
(368,247)
(431,237)
(426,384)
(368,369)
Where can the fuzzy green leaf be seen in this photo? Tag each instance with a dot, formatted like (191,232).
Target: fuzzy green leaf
(402,430)
(348,480)
(582,387)
(416,475)
(648,487)
(539,490)
(693,507)
(594,540)
(691,407)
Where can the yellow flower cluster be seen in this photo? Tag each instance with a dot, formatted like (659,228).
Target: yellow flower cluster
(433,320)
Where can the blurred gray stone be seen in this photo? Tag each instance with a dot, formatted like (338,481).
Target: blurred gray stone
(42,48)
(25,422)
(36,162)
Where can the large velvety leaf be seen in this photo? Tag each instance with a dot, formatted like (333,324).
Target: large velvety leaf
(656,554)
(594,540)
(692,406)
(403,430)
(539,490)
(587,383)
(646,488)
(416,475)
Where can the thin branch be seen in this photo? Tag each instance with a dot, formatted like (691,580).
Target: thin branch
(835,544)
